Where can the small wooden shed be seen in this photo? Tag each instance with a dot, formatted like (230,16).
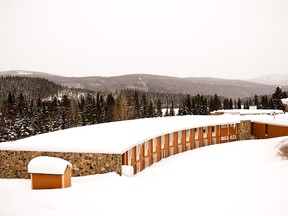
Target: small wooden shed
(49,173)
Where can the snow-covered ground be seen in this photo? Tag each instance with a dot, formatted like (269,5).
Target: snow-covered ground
(244,178)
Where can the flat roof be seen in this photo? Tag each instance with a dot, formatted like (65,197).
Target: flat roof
(117,137)
(279,122)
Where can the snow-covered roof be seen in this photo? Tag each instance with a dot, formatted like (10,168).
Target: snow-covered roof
(249,111)
(117,137)
(284,100)
(48,165)
(279,122)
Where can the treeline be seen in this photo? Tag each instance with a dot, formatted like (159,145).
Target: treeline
(203,105)
(21,116)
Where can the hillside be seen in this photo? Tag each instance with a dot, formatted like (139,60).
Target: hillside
(162,84)
(272,79)
(33,88)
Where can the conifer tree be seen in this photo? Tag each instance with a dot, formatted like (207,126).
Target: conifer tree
(231,104)
(55,113)
(172,111)
(181,111)
(89,109)
(264,102)
(110,108)
(151,110)
(75,117)
(188,106)
(8,111)
(256,101)
(166,112)
(239,104)
(64,111)
(135,106)
(226,104)
(81,106)
(246,105)
(159,108)
(144,106)
(101,110)
(122,107)
(22,121)
(276,102)
(215,103)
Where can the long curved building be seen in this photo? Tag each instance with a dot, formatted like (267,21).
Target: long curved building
(137,143)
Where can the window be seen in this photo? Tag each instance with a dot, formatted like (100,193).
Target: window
(138,167)
(154,144)
(154,158)
(214,141)
(233,125)
(205,142)
(163,142)
(179,136)
(205,131)
(224,126)
(137,152)
(196,133)
(146,147)
(187,135)
(213,128)
(171,139)
(146,162)
(233,137)
(187,146)
(196,144)
(129,156)
(224,138)
(162,154)
(171,151)
(179,148)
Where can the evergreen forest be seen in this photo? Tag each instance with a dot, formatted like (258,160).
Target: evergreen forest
(30,106)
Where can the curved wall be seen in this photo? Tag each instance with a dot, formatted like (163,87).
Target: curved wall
(157,148)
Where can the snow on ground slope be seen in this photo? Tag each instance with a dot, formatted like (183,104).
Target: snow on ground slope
(238,178)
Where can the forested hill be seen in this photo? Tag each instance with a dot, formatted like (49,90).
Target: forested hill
(31,87)
(162,84)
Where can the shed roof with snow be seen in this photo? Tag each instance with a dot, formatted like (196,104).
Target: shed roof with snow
(48,165)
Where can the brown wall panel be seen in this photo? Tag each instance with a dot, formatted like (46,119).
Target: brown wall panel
(46,181)
(67,177)
(258,130)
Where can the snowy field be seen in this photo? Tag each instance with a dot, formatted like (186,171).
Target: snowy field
(244,178)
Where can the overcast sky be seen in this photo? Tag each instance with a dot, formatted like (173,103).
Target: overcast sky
(183,38)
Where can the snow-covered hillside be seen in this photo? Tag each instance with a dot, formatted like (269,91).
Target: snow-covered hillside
(271,79)
(239,178)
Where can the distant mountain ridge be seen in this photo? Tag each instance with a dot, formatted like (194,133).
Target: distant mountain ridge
(156,83)
(272,79)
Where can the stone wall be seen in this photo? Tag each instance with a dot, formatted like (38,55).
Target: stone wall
(244,130)
(14,164)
